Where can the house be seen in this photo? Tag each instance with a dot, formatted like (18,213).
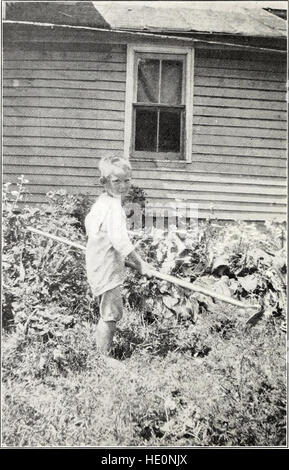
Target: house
(196,98)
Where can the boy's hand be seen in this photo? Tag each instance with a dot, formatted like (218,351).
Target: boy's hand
(145,270)
(136,262)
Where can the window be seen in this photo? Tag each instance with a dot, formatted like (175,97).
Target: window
(159,103)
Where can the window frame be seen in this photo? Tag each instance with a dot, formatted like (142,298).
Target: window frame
(131,83)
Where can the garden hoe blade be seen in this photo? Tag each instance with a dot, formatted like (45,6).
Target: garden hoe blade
(254,319)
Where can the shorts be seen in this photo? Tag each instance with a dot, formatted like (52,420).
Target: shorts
(110,305)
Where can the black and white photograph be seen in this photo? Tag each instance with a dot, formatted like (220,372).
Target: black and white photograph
(144,227)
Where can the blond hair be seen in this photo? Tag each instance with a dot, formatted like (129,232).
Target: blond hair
(107,165)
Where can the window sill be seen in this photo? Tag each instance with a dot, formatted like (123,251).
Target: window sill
(147,159)
(158,157)
(183,163)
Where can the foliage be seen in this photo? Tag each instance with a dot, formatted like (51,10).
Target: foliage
(75,205)
(237,261)
(40,274)
(135,195)
(190,371)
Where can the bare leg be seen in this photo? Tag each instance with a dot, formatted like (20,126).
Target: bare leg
(104,335)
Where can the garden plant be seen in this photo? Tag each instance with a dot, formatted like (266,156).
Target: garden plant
(195,371)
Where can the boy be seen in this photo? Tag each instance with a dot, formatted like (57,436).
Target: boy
(108,246)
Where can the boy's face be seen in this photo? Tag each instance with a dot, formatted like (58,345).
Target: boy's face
(118,183)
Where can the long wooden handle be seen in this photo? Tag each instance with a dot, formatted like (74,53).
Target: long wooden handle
(201,290)
(54,237)
(157,274)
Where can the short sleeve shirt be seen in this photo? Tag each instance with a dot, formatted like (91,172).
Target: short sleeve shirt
(108,244)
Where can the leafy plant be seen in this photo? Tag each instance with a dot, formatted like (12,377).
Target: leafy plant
(38,272)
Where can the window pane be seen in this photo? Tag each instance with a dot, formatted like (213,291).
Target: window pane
(170,131)
(171,83)
(148,81)
(146,129)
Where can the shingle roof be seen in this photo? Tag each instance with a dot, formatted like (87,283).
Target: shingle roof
(234,20)
(138,16)
(68,13)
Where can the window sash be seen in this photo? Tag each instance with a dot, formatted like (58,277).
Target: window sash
(159,154)
(161,57)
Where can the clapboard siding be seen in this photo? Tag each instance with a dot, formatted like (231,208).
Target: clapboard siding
(75,102)
(86,146)
(257,64)
(92,144)
(21,111)
(249,166)
(178,176)
(113,95)
(65,65)
(64,109)
(20,121)
(207,111)
(223,123)
(202,135)
(266,78)
(64,84)
(88,102)
(244,94)
(178,190)
(56,133)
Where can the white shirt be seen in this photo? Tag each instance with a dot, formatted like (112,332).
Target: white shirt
(108,244)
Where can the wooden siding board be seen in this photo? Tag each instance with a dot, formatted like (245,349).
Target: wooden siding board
(34,146)
(241,132)
(21,121)
(59,51)
(239,83)
(262,65)
(35,111)
(84,75)
(38,148)
(212,101)
(69,143)
(64,84)
(270,138)
(58,152)
(93,103)
(232,141)
(239,150)
(20,92)
(228,126)
(64,133)
(239,166)
(245,94)
(64,65)
(239,122)
(241,113)
(63,48)
(82,103)
(241,74)
(208,112)
(206,122)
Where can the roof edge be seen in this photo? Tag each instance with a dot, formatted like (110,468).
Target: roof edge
(185,40)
